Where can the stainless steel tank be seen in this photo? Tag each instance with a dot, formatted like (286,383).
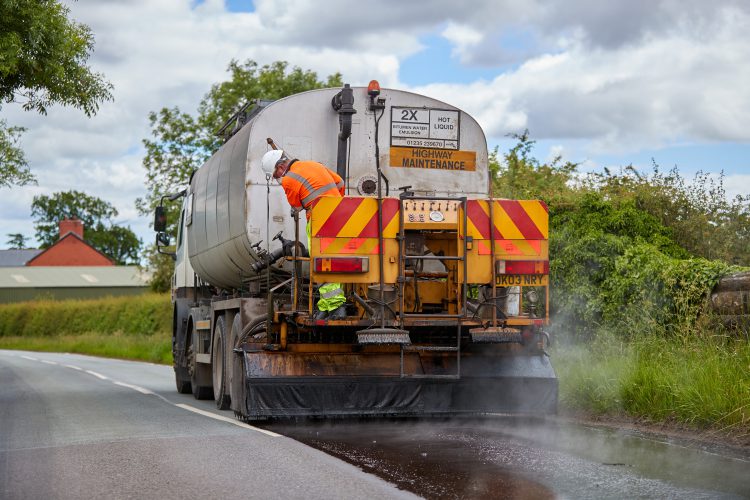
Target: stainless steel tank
(425,143)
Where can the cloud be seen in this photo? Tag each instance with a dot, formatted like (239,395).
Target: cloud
(612,25)
(672,89)
(737,185)
(616,76)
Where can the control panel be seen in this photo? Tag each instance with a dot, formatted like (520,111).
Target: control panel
(430,214)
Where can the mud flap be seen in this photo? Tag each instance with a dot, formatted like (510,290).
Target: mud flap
(510,384)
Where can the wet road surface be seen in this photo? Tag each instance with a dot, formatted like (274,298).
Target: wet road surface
(504,457)
(84,427)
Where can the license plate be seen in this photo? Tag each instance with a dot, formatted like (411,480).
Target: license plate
(522,279)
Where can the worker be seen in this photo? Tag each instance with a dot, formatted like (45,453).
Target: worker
(304,182)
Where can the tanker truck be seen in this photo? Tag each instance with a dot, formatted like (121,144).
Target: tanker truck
(447,287)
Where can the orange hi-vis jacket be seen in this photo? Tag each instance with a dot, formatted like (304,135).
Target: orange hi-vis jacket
(306,181)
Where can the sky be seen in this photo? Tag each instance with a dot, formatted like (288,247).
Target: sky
(604,84)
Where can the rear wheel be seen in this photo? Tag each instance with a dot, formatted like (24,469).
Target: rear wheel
(200,374)
(235,377)
(182,380)
(179,343)
(218,365)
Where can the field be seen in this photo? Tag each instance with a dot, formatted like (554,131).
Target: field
(119,327)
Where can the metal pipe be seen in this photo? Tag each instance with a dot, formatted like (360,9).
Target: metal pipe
(381,244)
(296,271)
(343,103)
(381,262)
(464,203)
(492,249)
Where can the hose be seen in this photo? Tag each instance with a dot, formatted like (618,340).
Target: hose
(250,328)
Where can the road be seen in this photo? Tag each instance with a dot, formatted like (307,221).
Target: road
(528,458)
(84,427)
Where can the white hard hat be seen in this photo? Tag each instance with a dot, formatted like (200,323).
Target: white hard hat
(268,163)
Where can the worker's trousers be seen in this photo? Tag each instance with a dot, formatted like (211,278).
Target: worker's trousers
(331,294)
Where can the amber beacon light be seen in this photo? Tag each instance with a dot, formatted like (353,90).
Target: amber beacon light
(373,88)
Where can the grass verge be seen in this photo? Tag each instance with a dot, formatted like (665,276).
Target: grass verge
(152,348)
(702,382)
(135,327)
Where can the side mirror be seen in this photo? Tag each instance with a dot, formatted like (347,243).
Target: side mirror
(162,239)
(160,220)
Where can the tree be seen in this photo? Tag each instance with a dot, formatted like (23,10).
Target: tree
(43,58)
(14,170)
(17,241)
(521,176)
(160,266)
(623,246)
(119,243)
(703,220)
(180,142)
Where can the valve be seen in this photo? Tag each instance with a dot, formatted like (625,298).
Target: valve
(406,192)
(286,250)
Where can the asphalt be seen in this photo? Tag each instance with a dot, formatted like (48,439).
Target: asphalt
(76,426)
(523,457)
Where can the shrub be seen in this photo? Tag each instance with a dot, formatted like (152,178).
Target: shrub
(149,314)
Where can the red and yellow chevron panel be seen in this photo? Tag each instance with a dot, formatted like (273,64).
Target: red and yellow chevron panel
(513,220)
(353,217)
(507,248)
(349,226)
(349,245)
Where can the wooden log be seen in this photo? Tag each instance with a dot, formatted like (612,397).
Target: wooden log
(730,301)
(738,282)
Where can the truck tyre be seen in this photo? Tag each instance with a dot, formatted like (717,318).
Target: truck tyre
(218,365)
(234,376)
(179,346)
(182,380)
(199,372)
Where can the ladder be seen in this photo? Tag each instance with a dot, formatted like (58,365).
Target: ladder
(462,249)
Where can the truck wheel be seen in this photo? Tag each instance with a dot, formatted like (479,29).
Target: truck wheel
(218,365)
(235,378)
(198,373)
(182,380)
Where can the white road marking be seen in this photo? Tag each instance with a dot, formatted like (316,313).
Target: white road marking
(225,419)
(98,375)
(134,387)
(143,390)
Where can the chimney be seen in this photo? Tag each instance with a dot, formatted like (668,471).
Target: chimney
(71,226)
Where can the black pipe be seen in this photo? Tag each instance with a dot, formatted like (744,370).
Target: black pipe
(364,305)
(287,249)
(343,103)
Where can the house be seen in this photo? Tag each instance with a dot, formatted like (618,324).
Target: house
(17,257)
(71,249)
(69,282)
(69,269)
